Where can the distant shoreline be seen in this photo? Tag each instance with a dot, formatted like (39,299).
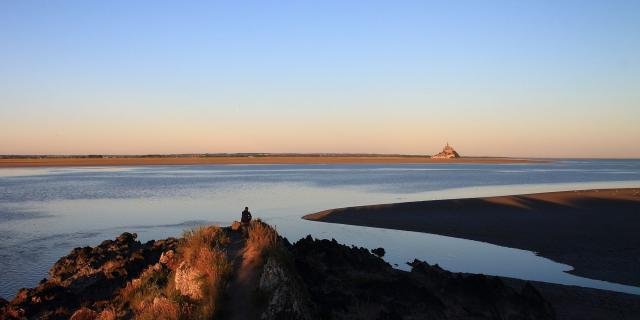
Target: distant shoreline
(55,161)
(595,231)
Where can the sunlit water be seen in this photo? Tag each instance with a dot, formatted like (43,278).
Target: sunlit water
(45,212)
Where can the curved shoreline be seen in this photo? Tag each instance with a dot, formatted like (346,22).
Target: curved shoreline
(319,270)
(595,231)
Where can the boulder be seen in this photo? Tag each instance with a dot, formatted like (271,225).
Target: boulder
(380,252)
(286,301)
(166,257)
(187,281)
(84,314)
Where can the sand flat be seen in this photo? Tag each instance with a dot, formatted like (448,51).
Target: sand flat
(141,161)
(595,231)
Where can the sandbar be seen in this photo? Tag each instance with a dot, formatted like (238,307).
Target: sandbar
(595,231)
(271,159)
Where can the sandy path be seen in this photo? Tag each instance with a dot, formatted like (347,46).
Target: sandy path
(239,303)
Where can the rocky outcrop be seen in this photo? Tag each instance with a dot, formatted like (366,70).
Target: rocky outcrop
(119,259)
(311,279)
(86,277)
(287,299)
(349,282)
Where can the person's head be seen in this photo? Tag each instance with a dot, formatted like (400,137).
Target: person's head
(246,208)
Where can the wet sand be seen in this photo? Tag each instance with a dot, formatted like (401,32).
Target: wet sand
(143,161)
(595,231)
(578,303)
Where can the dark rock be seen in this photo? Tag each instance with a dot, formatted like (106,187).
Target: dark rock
(287,298)
(87,276)
(311,279)
(350,282)
(378,252)
(3,304)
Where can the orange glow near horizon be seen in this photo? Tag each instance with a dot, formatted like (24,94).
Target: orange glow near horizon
(470,138)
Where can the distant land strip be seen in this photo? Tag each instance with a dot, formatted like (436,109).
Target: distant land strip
(595,231)
(259,158)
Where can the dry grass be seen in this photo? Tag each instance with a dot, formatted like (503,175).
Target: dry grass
(214,268)
(262,237)
(199,239)
(202,250)
(108,314)
(140,293)
(83,314)
(153,296)
(161,309)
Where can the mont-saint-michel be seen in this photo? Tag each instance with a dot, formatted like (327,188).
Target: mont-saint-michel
(447,153)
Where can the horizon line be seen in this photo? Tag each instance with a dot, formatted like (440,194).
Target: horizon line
(266,154)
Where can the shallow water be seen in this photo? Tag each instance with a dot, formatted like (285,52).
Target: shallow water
(45,212)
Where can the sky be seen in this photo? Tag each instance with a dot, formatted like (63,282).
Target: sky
(493,78)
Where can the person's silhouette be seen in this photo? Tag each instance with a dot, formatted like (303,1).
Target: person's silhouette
(246,216)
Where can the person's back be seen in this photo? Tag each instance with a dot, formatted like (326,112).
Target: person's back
(246,216)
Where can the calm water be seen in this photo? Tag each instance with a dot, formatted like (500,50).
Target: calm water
(45,212)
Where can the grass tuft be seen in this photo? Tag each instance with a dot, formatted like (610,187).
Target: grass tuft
(153,296)
(195,240)
(262,237)
(161,308)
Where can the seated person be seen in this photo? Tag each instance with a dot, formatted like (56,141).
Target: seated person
(246,217)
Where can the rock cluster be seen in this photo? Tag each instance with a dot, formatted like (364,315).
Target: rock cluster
(311,279)
(349,282)
(86,277)
(287,299)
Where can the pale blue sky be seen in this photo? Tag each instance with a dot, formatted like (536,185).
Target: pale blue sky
(509,78)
